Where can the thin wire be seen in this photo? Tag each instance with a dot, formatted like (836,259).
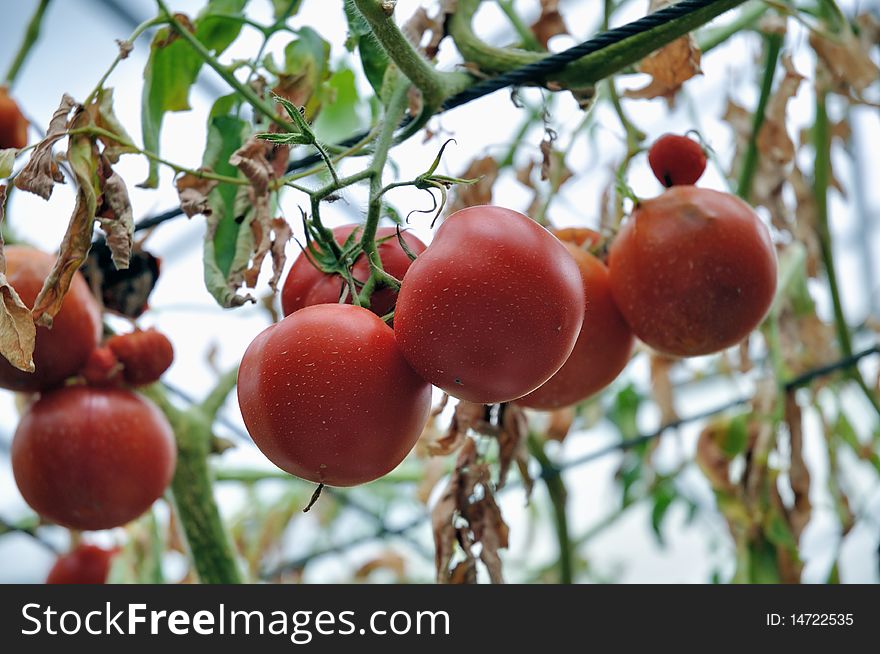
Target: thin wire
(530,73)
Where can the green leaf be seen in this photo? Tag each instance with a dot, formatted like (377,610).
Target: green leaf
(374,60)
(664,495)
(339,118)
(737,436)
(625,410)
(173,67)
(229,241)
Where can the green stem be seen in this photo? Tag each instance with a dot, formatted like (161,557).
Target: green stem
(209,544)
(750,159)
(140,29)
(393,114)
(746,19)
(558,497)
(435,86)
(586,70)
(31,35)
(242,89)
(215,400)
(525,32)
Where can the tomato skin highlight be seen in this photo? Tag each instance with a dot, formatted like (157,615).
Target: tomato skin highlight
(677,160)
(305,285)
(603,347)
(87,564)
(13,124)
(693,271)
(327,395)
(60,352)
(493,307)
(92,458)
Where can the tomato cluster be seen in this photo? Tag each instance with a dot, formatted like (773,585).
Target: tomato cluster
(498,309)
(88,453)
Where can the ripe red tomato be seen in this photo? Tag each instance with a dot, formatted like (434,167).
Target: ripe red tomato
(13,124)
(87,564)
(603,346)
(61,351)
(306,285)
(693,271)
(92,458)
(327,395)
(677,160)
(493,307)
(144,355)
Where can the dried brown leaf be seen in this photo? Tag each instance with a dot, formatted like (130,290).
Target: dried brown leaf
(444,512)
(470,195)
(83,157)
(251,159)
(798,474)
(467,415)
(560,423)
(387,560)
(512,437)
(41,172)
(17,330)
(847,58)
(550,23)
(115,216)
(193,191)
(661,387)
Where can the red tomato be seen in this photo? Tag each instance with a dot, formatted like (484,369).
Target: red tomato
(87,564)
(13,124)
(603,346)
(677,160)
(492,308)
(61,351)
(693,271)
(306,285)
(92,458)
(144,355)
(327,395)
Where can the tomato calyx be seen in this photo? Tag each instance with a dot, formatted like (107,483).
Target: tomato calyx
(428,181)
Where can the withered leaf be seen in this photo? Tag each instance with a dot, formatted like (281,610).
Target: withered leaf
(443,514)
(388,560)
(251,159)
(41,172)
(490,530)
(82,154)
(192,191)
(470,195)
(670,66)
(847,57)
(661,387)
(115,216)
(467,415)
(798,473)
(512,437)
(550,23)
(560,423)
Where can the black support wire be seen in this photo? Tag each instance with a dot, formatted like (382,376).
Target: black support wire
(535,72)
